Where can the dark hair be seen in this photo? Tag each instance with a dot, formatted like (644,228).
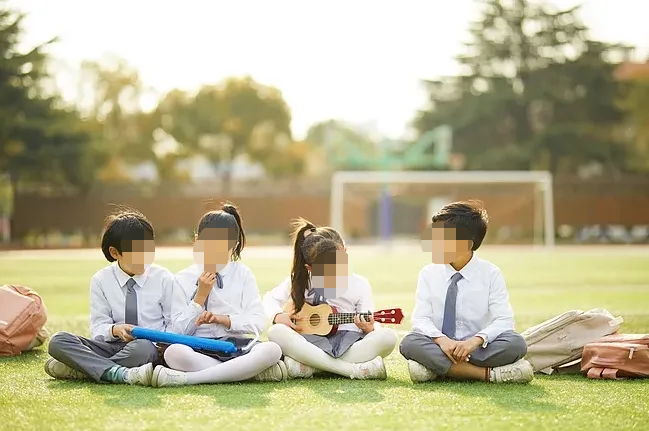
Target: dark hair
(227,217)
(123,227)
(469,218)
(306,239)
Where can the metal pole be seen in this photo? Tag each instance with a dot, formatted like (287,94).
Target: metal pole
(548,206)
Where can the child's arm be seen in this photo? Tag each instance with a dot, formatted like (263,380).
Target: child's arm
(366,303)
(252,312)
(184,311)
(500,311)
(422,315)
(101,320)
(276,299)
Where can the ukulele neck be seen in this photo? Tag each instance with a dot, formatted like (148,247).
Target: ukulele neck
(345,318)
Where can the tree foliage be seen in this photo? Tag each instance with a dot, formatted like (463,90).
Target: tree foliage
(536,93)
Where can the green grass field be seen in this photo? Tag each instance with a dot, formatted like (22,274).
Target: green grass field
(541,285)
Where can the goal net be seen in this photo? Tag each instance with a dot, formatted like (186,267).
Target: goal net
(374,205)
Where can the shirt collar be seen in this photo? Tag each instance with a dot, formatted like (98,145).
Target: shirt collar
(467,272)
(123,277)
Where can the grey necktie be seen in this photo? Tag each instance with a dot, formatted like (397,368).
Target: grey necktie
(450,307)
(130,312)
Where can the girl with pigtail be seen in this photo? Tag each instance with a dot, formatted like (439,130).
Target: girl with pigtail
(219,299)
(355,350)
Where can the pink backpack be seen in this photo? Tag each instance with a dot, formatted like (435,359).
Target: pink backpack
(22,319)
(617,356)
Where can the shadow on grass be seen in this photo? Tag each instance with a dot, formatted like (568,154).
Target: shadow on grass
(513,397)
(234,395)
(32,358)
(340,390)
(245,395)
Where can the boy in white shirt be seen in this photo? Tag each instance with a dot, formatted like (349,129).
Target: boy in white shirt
(130,292)
(462,324)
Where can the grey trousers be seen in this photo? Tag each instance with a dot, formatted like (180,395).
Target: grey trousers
(506,349)
(94,357)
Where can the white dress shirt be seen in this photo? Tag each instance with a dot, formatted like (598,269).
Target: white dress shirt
(483,307)
(154,291)
(239,299)
(357,299)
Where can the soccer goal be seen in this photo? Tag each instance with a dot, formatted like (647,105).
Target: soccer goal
(396,204)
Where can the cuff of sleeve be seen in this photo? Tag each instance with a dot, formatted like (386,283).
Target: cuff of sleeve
(237,323)
(484,337)
(108,334)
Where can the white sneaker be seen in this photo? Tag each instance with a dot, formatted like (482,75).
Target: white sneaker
(518,372)
(140,375)
(276,373)
(163,377)
(297,370)
(371,370)
(59,370)
(419,373)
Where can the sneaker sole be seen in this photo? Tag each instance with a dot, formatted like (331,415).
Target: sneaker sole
(49,370)
(155,376)
(282,367)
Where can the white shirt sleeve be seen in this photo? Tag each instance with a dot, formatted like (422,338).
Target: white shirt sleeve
(167,300)
(252,312)
(366,301)
(500,311)
(185,312)
(276,299)
(101,319)
(422,315)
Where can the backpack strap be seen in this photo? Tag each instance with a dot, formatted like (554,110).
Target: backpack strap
(595,373)
(610,374)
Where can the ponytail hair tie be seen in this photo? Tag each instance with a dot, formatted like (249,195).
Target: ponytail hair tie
(309,232)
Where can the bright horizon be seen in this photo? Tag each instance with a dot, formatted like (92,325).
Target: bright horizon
(363,66)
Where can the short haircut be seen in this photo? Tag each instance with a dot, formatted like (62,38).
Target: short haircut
(469,218)
(122,228)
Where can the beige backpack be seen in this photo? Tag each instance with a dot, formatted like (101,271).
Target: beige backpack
(560,341)
(22,319)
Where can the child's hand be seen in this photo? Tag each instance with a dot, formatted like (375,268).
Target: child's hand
(123,332)
(206,282)
(365,326)
(448,346)
(464,348)
(205,318)
(286,319)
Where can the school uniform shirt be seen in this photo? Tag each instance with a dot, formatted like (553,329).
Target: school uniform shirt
(154,291)
(239,299)
(357,299)
(483,307)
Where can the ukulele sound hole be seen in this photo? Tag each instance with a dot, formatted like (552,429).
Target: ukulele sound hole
(314,320)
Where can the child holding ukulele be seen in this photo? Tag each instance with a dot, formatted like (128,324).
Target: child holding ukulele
(355,350)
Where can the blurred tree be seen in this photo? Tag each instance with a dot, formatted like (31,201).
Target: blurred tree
(634,101)
(40,140)
(344,146)
(535,93)
(238,116)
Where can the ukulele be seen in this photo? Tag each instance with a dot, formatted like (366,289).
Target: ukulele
(324,319)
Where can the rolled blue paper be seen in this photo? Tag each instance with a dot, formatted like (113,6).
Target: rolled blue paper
(187,340)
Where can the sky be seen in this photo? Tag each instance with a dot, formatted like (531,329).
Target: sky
(360,61)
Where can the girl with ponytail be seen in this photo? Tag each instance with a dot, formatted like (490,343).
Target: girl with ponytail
(355,350)
(218,298)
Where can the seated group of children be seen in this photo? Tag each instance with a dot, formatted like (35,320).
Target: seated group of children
(462,324)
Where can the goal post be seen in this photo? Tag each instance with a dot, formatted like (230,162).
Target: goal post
(541,179)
